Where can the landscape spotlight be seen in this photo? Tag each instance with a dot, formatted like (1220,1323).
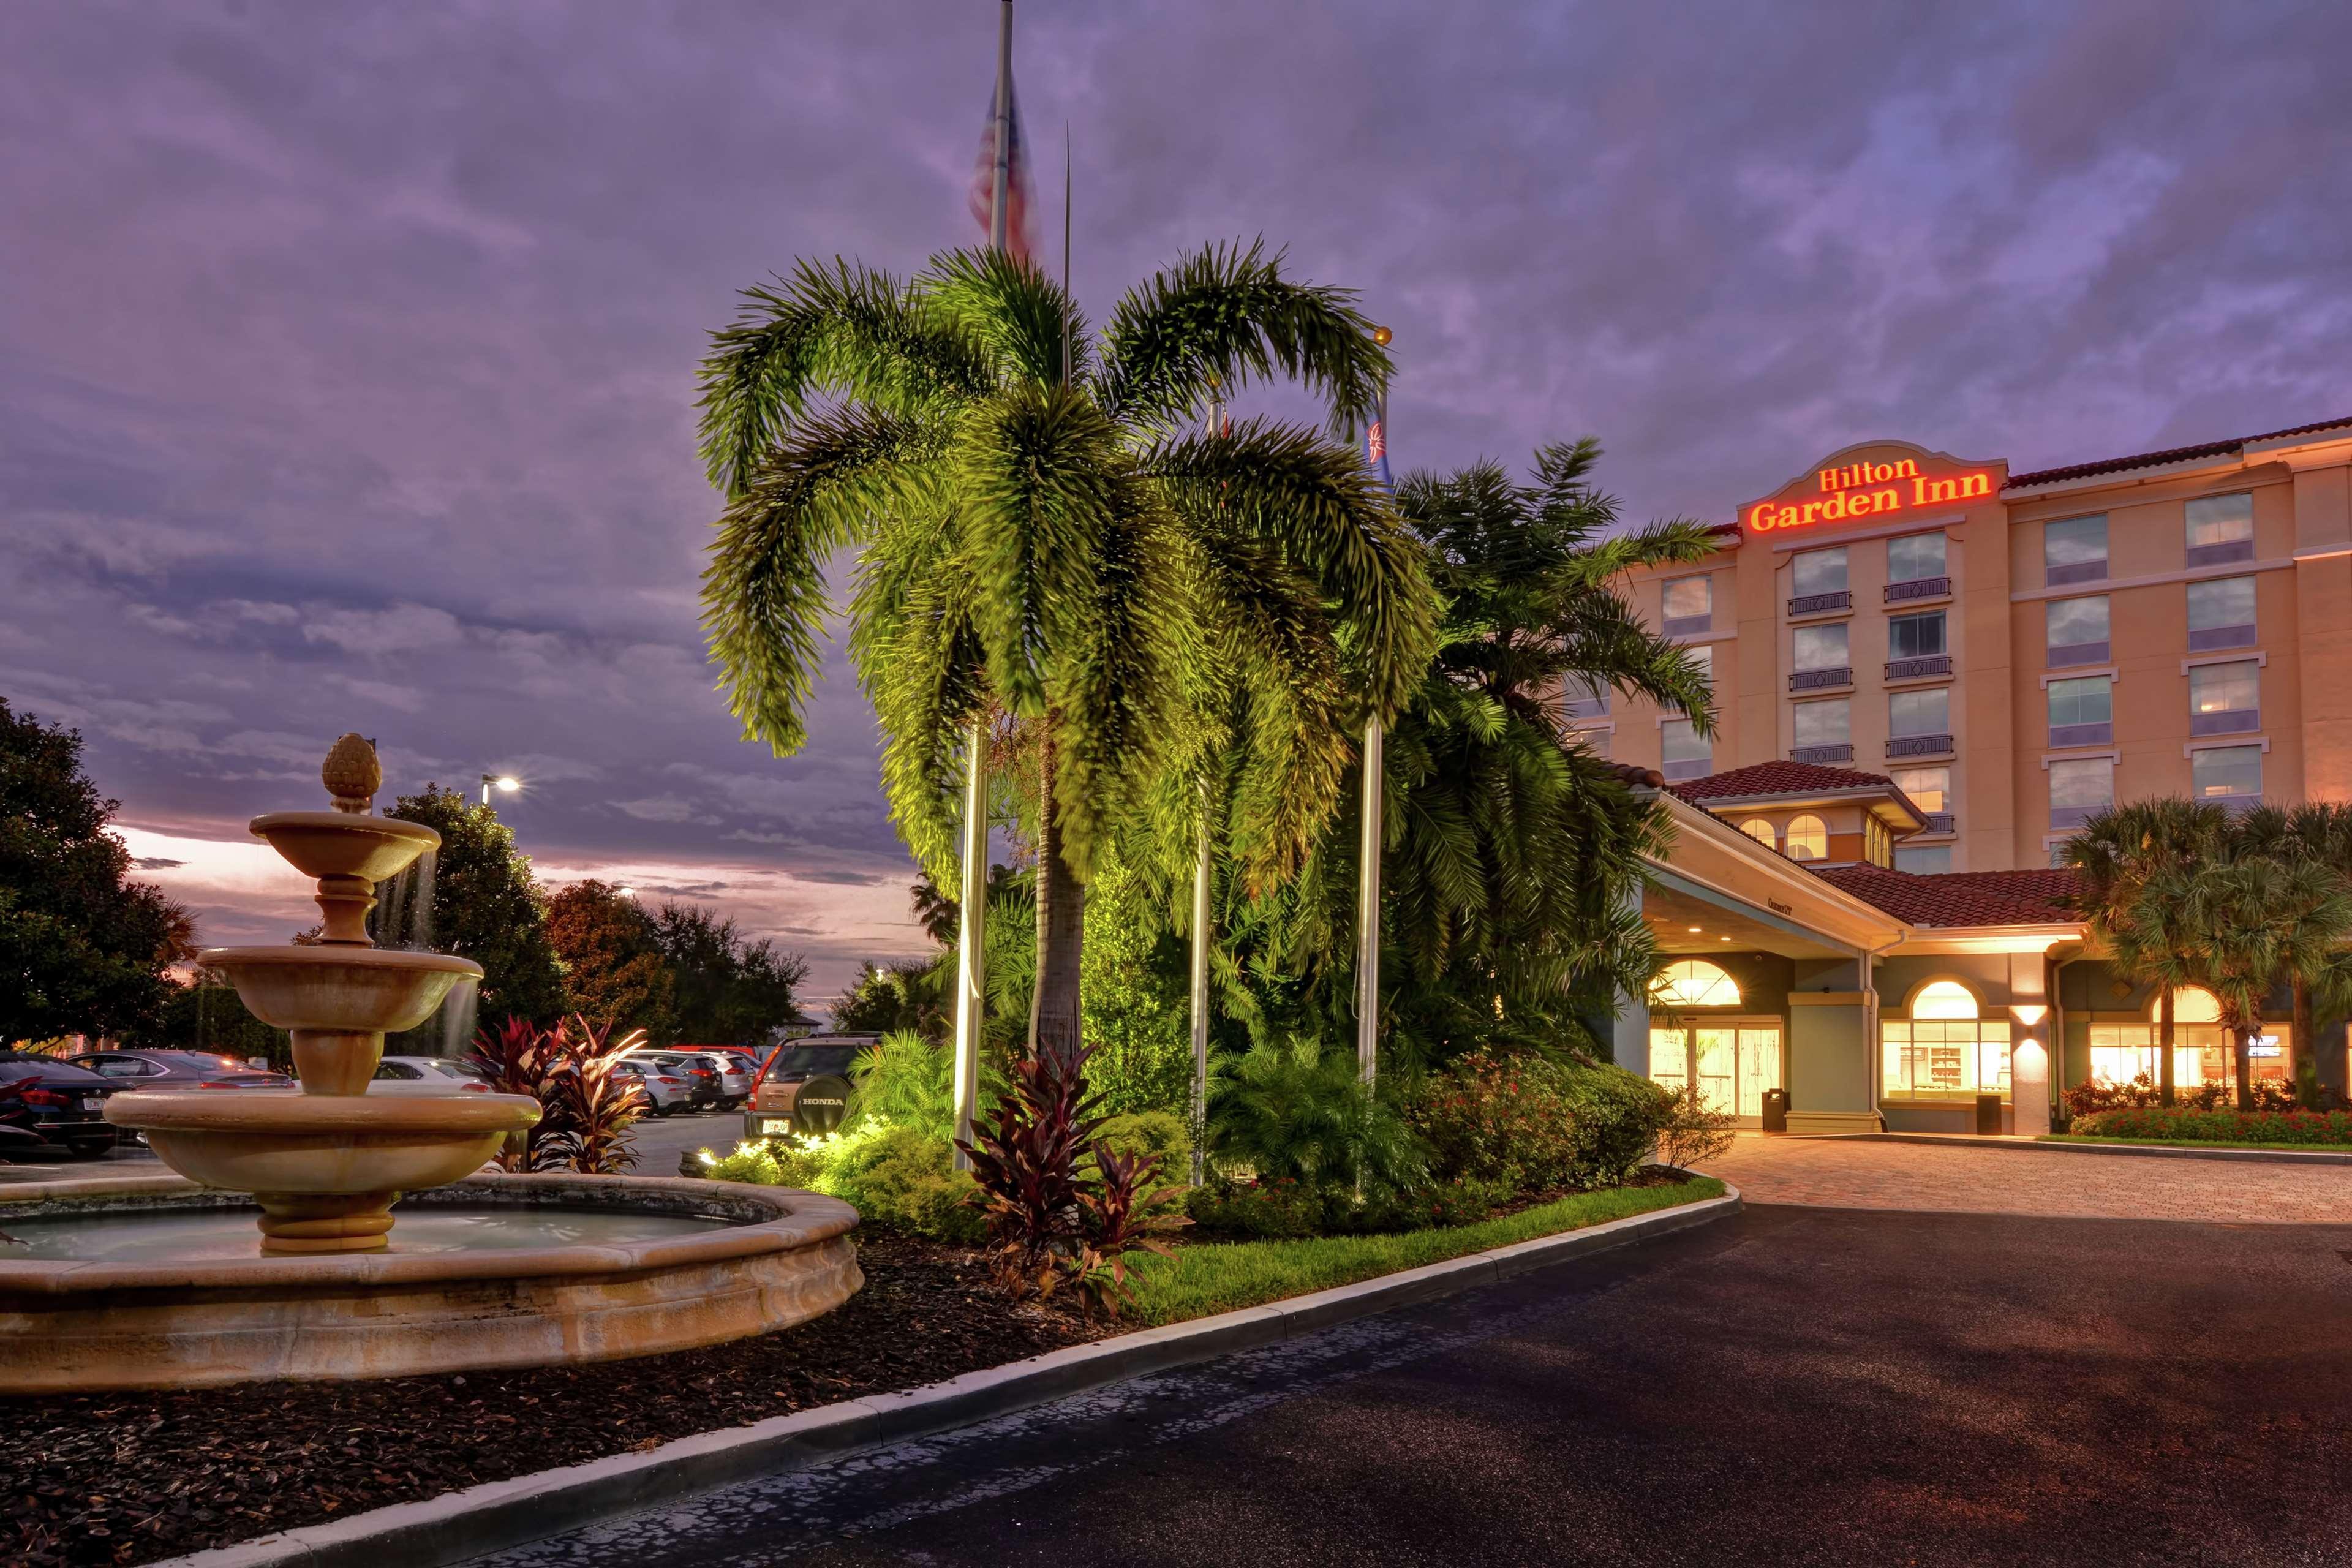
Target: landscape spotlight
(505,781)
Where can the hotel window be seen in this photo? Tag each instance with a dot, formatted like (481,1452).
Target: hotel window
(1818,649)
(2230,774)
(1920,715)
(1760,830)
(2074,550)
(2225,698)
(1585,700)
(1877,847)
(2078,631)
(1599,742)
(1930,789)
(1694,983)
(1689,605)
(2221,529)
(1914,558)
(1817,572)
(1924,859)
(2083,712)
(1684,752)
(2222,614)
(1825,730)
(1915,637)
(1943,1051)
(1807,840)
(2079,790)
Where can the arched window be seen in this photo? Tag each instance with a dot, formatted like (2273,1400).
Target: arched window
(2191,1005)
(1694,983)
(1808,839)
(1943,999)
(1760,830)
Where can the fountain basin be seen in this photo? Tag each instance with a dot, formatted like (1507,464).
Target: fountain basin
(321,843)
(135,1287)
(345,989)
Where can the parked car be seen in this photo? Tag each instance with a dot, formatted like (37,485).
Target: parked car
(735,1074)
(48,1106)
(667,1093)
(701,1077)
(178,1069)
(429,1075)
(805,1089)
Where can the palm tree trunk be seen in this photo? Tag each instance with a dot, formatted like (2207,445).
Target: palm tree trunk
(1055,1021)
(2164,1048)
(2305,1058)
(2242,1053)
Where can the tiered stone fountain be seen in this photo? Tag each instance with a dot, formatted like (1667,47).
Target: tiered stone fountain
(135,1281)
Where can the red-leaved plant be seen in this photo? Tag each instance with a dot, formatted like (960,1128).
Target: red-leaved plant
(1060,1204)
(586,1106)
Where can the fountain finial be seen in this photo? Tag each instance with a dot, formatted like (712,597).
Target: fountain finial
(352,775)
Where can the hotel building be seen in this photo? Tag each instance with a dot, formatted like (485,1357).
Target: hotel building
(1930,672)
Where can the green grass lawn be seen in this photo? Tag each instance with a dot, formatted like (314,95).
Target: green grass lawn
(2195,1144)
(1209,1276)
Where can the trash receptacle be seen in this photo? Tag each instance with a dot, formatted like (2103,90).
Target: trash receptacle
(1776,1111)
(1989,1115)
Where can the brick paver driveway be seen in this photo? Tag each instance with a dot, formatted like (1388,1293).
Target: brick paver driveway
(1859,1173)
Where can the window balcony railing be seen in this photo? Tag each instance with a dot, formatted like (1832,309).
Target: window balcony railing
(2221,554)
(2076,572)
(1821,603)
(2099,734)
(1919,746)
(1919,666)
(1919,588)
(2069,654)
(2230,722)
(2212,637)
(1841,753)
(1940,822)
(1817,679)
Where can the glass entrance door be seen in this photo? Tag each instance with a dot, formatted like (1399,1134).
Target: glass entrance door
(1732,1063)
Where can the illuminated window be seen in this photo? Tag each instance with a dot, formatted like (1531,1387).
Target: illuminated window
(1808,839)
(2202,1051)
(1877,847)
(2074,550)
(2225,698)
(1694,983)
(1943,1051)
(2226,773)
(1759,829)
(2191,1005)
(1928,788)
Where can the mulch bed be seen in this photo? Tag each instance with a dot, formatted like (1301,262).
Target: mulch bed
(131,1477)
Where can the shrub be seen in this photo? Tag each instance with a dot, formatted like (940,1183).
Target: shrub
(1293,1112)
(1256,1211)
(2090,1099)
(1158,1132)
(1496,1119)
(2184,1124)
(1694,1130)
(906,1079)
(906,1179)
(1618,1117)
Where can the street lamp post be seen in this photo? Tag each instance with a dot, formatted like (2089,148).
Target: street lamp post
(506,782)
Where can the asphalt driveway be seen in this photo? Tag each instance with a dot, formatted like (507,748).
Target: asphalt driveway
(1796,1385)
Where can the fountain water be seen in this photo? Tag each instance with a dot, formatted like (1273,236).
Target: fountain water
(133,1282)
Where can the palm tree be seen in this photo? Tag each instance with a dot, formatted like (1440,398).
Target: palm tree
(2242,924)
(1512,851)
(2319,833)
(1038,538)
(2117,853)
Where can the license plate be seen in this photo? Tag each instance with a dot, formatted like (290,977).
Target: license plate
(93,1102)
(774,1126)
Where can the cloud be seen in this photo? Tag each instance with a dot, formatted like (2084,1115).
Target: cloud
(155,863)
(403,628)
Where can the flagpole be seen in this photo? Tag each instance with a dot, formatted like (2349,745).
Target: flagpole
(1201,887)
(972,952)
(1368,851)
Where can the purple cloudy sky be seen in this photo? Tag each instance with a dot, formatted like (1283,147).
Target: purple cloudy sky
(346,351)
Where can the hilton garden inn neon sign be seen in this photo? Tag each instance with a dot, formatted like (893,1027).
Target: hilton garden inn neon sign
(1858,490)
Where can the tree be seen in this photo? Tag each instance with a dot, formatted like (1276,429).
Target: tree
(2116,855)
(616,974)
(887,998)
(82,947)
(1039,542)
(2319,833)
(726,989)
(1512,853)
(2244,923)
(487,905)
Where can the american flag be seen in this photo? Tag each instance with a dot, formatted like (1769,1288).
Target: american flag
(1019,198)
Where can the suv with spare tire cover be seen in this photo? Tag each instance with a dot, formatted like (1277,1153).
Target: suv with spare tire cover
(805,1089)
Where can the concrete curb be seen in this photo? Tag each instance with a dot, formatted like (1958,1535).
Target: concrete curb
(2159,1150)
(451,1529)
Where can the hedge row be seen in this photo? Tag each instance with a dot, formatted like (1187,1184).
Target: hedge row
(2186,1126)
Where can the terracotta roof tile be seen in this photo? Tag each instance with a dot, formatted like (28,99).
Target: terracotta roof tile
(2172,455)
(1776,778)
(1961,898)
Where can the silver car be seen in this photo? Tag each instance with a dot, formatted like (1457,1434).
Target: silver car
(665,1091)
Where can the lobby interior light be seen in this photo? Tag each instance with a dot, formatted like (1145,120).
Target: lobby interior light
(1694,930)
